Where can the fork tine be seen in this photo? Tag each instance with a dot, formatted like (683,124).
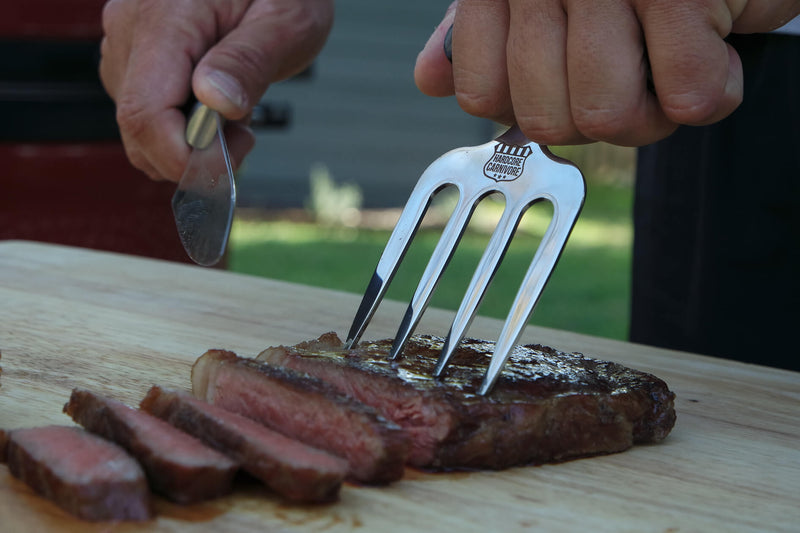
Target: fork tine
(484,272)
(451,235)
(547,255)
(437,176)
(396,248)
(369,303)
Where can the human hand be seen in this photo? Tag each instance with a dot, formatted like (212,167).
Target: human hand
(156,52)
(575,71)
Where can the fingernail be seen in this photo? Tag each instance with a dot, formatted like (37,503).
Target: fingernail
(229,87)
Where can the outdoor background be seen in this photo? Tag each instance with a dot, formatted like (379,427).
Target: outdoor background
(318,199)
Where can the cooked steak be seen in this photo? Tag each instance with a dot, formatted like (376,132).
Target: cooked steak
(177,465)
(82,473)
(290,468)
(546,406)
(307,409)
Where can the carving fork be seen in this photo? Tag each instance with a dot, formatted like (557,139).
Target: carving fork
(524,173)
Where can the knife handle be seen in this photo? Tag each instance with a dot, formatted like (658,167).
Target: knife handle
(201,126)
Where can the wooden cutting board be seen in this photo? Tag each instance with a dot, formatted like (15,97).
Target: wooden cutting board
(117,324)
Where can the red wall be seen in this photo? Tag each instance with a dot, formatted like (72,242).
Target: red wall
(51,19)
(77,192)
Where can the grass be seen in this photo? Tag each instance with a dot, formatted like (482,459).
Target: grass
(588,293)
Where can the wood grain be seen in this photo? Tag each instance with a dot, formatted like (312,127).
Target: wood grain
(118,324)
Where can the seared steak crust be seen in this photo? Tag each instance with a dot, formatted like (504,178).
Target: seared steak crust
(82,473)
(305,408)
(292,469)
(177,465)
(547,405)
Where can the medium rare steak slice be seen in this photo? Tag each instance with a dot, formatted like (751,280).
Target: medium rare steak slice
(307,409)
(85,475)
(177,465)
(546,406)
(290,468)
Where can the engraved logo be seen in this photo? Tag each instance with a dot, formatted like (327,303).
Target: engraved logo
(507,162)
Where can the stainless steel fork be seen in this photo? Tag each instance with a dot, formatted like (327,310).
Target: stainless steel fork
(524,173)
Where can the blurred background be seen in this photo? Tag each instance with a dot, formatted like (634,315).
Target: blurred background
(320,192)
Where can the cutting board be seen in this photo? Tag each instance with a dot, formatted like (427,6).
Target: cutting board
(118,324)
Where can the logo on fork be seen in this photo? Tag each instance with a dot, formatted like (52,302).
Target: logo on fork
(507,162)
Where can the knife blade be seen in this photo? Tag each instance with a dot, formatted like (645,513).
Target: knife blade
(205,199)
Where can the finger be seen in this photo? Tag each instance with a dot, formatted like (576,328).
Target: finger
(480,78)
(433,72)
(762,16)
(149,171)
(273,40)
(697,76)
(537,72)
(160,147)
(118,17)
(156,85)
(607,75)
(109,68)
(240,139)
(151,124)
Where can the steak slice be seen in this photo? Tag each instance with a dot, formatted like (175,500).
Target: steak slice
(547,405)
(82,473)
(177,465)
(307,409)
(290,468)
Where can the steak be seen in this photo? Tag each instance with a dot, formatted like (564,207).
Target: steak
(307,409)
(177,465)
(546,406)
(290,468)
(82,473)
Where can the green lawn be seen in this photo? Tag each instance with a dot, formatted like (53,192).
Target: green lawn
(588,293)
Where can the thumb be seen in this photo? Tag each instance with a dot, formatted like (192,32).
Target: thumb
(273,40)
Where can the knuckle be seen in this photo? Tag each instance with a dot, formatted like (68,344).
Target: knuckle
(132,117)
(310,21)
(294,22)
(247,56)
(688,108)
(602,123)
(547,128)
(303,28)
(481,104)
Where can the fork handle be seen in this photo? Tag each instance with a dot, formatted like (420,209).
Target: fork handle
(448,44)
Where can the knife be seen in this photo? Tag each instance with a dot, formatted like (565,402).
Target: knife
(204,201)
